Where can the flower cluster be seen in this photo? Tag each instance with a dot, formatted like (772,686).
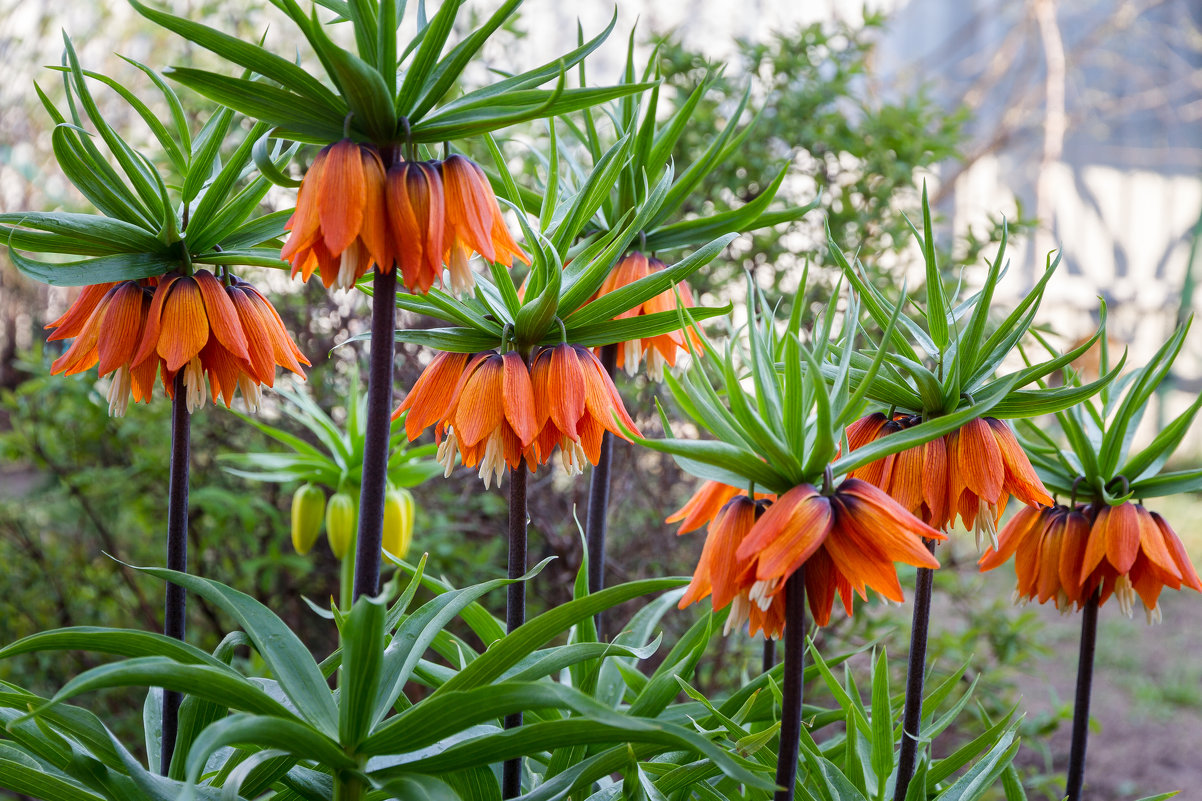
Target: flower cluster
(1066,554)
(847,540)
(194,323)
(353,211)
(971,472)
(495,411)
(659,350)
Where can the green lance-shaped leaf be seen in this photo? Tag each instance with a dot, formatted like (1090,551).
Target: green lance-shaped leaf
(260,731)
(121,642)
(282,651)
(362,656)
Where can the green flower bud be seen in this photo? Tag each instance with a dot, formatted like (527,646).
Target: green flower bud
(340,522)
(398,522)
(308,509)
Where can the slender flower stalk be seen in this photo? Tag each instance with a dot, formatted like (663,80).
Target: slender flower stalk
(375,449)
(1076,755)
(597,518)
(920,625)
(515,606)
(794,685)
(175,610)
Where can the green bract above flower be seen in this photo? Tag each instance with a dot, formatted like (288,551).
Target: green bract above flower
(1099,464)
(777,422)
(947,360)
(146,226)
(382,93)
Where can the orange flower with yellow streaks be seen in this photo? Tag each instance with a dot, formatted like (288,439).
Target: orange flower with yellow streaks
(971,472)
(848,541)
(575,403)
(107,322)
(482,405)
(473,222)
(663,348)
(198,325)
(1069,554)
(340,226)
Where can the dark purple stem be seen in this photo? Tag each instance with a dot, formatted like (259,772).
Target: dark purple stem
(175,607)
(1076,753)
(794,677)
(515,607)
(598,501)
(379,425)
(915,674)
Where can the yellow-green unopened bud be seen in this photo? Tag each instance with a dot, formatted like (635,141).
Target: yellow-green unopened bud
(308,509)
(340,522)
(398,522)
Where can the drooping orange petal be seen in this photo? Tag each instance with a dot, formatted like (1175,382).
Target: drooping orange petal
(1017,533)
(1021,479)
(374,231)
(792,538)
(1072,554)
(906,482)
(1189,576)
(466,207)
(728,531)
(1152,543)
(73,320)
(305,224)
(150,336)
(896,533)
(566,390)
(185,328)
(852,550)
(518,397)
(1047,583)
(1120,525)
(223,317)
(980,460)
(122,324)
(701,507)
(480,409)
(431,394)
(934,483)
(822,580)
(341,196)
(601,396)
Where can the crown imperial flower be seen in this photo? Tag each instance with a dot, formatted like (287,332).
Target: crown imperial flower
(659,350)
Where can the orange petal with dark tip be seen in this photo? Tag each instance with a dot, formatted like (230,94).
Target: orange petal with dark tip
(185,328)
(518,397)
(341,196)
(1121,529)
